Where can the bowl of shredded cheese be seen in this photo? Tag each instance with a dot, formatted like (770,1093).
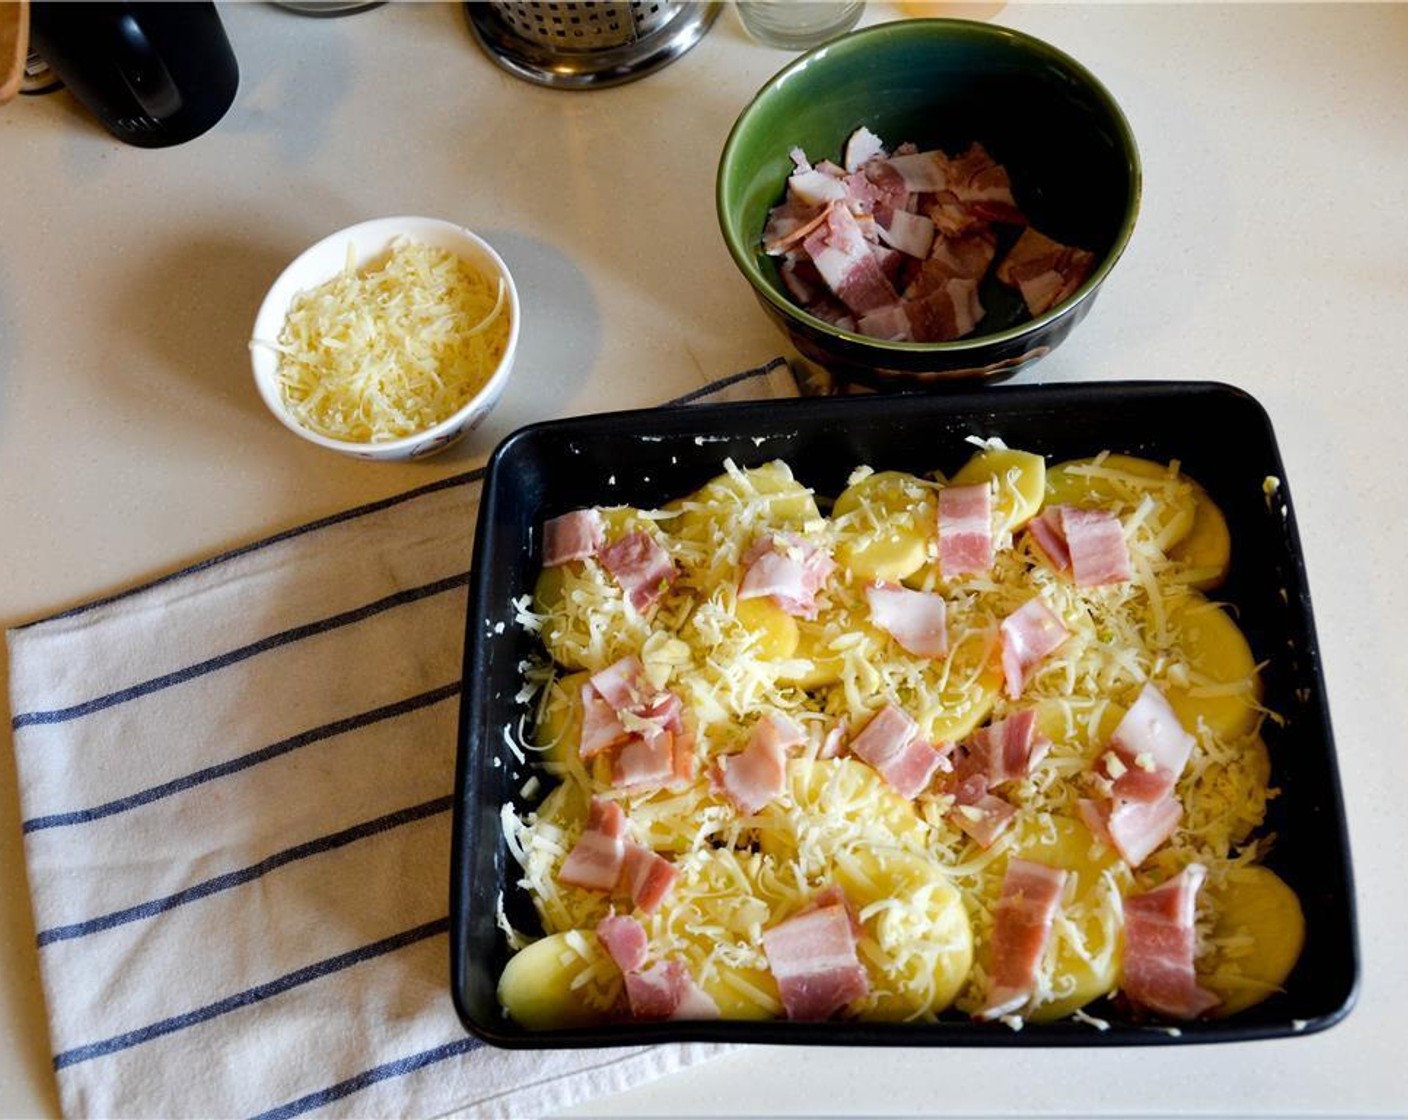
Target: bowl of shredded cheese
(388,340)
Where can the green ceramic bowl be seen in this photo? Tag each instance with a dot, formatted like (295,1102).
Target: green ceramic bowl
(940,83)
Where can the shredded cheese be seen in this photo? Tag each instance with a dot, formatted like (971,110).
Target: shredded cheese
(392,350)
(837,820)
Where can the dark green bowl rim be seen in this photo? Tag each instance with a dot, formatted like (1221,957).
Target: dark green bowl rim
(745,257)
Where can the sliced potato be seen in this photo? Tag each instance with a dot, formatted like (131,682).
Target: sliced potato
(1085,937)
(885,524)
(1226,800)
(774,629)
(766,496)
(1021,483)
(844,800)
(1256,939)
(1224,688)
(1208,546)
(1124,481)
(917,944)
(559,730)
(542,986)
(962,691)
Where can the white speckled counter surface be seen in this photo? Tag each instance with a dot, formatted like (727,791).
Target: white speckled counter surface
(1271,253)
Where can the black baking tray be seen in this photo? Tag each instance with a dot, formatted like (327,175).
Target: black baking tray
(1222,437)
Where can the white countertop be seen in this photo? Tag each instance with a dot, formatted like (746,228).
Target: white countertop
(1272,253)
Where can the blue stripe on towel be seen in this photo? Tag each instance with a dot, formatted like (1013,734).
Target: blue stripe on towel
(234,656)
(726,382)
(245,761)
(232,879)
(398,1068)
(462,479)
(250,996)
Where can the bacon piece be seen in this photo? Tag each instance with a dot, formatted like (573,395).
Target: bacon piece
(1045,529)
(1152,745)
(965,529)
(1135,829)
(1159,940)
(909,233)
(890,323)
(977,179)
(644,760)
(788,568)
(573,536)
(815,187)
(923,172)
(890,192)
(1005,749)
(917,620)
(601,726)
(641,566)
(789,225)
(812,956)
(755,775)
(1095,541)
(622,684)
(949,311)
(862,146)
(665,990)
(840,252)
(1031,893)
(648,876)
(595,861)
(980,814)
(625,939)
(682,758)
(890,743)
(1028,634)
(1044,271)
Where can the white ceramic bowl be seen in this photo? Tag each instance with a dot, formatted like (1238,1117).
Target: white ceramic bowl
(324,260)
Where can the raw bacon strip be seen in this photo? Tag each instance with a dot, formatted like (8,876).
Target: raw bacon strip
(573,536)
(644,761)
(1005,749)
(923,172)
(665,990)
(648,876)
(601,726)
(1159,940)
(912,234)
(842,256)
(595,861)
(812,956)
(984,819)
(917,620)
(977,179)
(862,146)
(1153,747)
(641,566)
(965,529)
(890,323)
(1135,829)
(1028,634)
(950,311)
(755,775)
(622,684)
(1050,537)
(1096,545)
(1044,271)
(625,939)
(891,745)
(815,187)
(789,569)
(790,225)
(1031,893)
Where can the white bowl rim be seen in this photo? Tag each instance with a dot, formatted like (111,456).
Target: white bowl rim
(377,233)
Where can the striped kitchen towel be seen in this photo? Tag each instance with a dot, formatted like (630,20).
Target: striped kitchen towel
(236,786)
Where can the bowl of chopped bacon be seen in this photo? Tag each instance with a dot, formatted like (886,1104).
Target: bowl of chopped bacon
(929,200)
